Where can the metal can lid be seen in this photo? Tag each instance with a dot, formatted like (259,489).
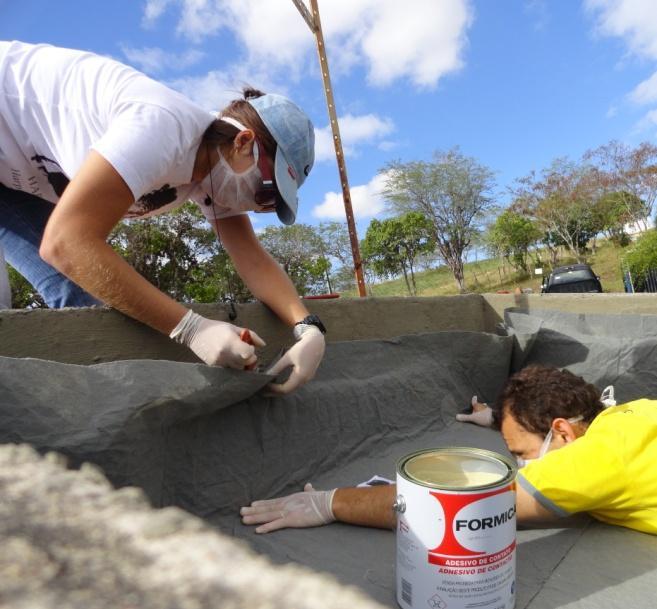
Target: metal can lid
(457,468)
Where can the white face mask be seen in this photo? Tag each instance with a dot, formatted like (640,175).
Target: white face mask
(546,444)
(227,188)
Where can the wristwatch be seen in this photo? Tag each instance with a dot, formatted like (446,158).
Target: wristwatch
(312,320)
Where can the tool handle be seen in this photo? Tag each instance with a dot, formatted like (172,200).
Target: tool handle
(245,336)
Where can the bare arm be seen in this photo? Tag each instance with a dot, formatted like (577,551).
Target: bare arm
(265,278)
(75,243)
(372,507)
(530,512)
(367,507)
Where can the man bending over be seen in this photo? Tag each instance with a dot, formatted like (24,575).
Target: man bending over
(575,456)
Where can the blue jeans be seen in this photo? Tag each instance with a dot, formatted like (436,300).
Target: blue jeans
(23,219)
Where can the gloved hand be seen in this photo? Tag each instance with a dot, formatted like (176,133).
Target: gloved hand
(310,508)
(217,343)
(481,414)
(304,357)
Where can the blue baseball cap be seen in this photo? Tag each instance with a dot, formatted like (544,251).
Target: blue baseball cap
(295,152)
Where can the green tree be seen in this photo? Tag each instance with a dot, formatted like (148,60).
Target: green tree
(567,223)
(562,201)
(215,279)
(631,173)
(614,210)
(343,278)
(453,192)
(511,236)
(176,252)
(300,251)
(392,246)
(335,237)
(23,295)
(336,248)
(641,258)
(180,255)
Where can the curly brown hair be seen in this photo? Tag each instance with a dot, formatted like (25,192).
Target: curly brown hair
(537,395)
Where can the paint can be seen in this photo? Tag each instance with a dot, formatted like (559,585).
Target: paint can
(456,530)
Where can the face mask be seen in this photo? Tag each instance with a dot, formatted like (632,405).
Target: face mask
(607,397)
(522,461)
(230,189)
(546,444)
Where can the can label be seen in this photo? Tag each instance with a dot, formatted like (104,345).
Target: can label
(481,523)
(456,549)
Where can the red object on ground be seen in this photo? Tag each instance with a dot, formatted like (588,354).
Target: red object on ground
(321,297)
(245,336)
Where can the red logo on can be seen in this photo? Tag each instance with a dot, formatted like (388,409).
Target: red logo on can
(450,547)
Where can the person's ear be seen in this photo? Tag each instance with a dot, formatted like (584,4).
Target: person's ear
(243,142)
(564,430)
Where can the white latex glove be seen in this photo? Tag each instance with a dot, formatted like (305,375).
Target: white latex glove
(482,414)
(304,357)
(310,508)
(217,343)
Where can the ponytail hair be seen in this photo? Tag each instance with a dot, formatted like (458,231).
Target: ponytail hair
(220,133)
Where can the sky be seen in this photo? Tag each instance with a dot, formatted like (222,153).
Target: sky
(513,84)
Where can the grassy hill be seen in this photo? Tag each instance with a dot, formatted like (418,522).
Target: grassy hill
(492,276)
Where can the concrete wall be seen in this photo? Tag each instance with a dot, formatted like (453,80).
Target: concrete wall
(85,336)
(610,304)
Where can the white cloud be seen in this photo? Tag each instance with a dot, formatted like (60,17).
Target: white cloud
(651,118)
(418,40)
(212,91)
(633,20)
(387,145)
(366,201)
(215,89)
(539,13)
(153,10)
(153,59)
(354,131)
(645,92)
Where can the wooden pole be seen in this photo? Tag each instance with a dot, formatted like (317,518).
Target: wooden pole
(315,25)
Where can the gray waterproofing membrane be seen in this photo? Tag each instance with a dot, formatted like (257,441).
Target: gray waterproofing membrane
(207,440)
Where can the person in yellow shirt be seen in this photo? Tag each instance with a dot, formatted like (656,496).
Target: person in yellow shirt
(575,456)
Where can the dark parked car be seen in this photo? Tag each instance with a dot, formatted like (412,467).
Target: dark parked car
(571,278)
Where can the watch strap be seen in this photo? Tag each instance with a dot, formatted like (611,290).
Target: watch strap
(312,320)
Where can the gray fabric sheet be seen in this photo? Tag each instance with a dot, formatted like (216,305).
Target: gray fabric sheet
(619,350)
(366,557)
(117,415)
(206,439)
(201,438)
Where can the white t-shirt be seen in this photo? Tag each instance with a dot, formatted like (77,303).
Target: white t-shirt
(56,105)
